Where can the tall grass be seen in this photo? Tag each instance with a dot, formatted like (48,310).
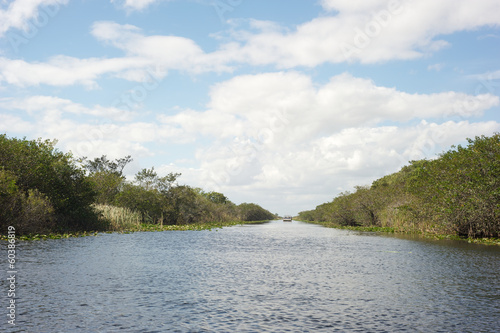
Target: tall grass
(119,218)
(126,220)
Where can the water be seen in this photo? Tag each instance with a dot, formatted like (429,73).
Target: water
(274,277)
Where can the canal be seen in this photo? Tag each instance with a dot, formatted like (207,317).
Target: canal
(271,277)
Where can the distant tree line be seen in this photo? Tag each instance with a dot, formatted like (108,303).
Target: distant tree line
(457,193)
(44,190)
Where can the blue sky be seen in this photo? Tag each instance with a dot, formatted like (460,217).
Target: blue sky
(282,103)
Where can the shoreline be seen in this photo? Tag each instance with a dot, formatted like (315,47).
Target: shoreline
(220,225)
(138,228)
(389,230)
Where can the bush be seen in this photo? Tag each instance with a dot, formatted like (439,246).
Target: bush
(462,187)
(48,184)
(29,212)
(457,193)
(42,190)
(253,212)
(10,199)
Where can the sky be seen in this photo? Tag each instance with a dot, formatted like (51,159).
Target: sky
(282,103)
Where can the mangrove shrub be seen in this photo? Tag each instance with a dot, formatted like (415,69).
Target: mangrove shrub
(456,193)
(42,188)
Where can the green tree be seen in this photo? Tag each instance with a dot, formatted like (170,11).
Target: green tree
(253,212)
(54,180)
(456,193)
(149,203)
(107,186)
(462,187)
(10,198)
(184,206)
(308,215)
(103,165)
(153,196)
(216,197)
(29,212)
(106,176)
(344,211)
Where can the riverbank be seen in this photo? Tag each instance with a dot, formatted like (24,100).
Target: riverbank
(454,194)
(44,191)
(136,228)
(484,241)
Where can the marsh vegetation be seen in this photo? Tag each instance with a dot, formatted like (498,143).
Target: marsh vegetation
(457,193)
(45,191)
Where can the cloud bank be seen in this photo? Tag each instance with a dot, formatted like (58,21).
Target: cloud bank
(371,32)
(276,131)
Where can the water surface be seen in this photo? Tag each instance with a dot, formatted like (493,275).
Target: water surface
(273,277)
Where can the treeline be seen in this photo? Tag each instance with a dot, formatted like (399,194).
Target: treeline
(43,190)
(457,193)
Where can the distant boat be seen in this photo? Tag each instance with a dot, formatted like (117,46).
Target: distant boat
(287,218)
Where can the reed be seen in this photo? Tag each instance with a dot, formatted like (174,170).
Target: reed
(119,218)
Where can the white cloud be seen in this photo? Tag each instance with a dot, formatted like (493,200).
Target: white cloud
(273,131)
(144,56)
(489,76)
(169,52)
(282,131)
(62,70)
(19,13)
(366,32)
(14,124)
(356,6)
(435,67)
(328,165)
(40,104)
(264,105)
(135,4)
(86,131)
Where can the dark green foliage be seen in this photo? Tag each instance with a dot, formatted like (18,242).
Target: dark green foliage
(9,195)
(253,212)
(137,198)
(106,177)
(308,215)
(185,206)
(161,201)
(107,185)
(216,197)
(103,165)
(457,193)
(152,196)
(43,187)
(43,190)
(462,187)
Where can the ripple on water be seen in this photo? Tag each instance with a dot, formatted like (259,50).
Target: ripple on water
(275,277)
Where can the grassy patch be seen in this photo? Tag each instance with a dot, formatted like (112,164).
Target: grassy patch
(118,218)
(355,228)
(182,227)
(484,241)
(52,235)
(136,228)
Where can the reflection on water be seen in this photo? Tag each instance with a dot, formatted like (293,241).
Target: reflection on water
(274,277)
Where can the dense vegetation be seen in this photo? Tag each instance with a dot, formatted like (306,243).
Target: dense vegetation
(43,190)
(457,193)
